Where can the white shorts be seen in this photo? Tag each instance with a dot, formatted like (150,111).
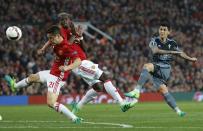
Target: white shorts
(89,72)
(54,83)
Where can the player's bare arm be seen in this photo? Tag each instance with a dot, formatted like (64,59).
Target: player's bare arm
(72,66)
(156,50)
(72,28)
(42,50)
(76,34)
(80,39)
(185,56)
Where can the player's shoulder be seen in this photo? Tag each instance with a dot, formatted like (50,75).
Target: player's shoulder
(172,41)
(154,38)
(153,42)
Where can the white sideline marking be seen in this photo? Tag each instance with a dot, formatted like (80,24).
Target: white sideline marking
(112,125)
(66,127)
(116,125)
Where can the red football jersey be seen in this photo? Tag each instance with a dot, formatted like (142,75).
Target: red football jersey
(66,33)
(65,54)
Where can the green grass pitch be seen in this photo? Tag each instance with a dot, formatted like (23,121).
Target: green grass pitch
(143,117)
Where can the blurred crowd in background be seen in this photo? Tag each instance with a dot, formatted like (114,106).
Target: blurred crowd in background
(131,23)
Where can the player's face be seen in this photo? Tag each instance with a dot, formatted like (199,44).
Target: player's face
(163,31)
(65,22)
(54,39)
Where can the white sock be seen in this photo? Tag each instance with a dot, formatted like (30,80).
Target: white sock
(22,83)
(137,88)
(89,96)
(177,110)
(110,89)
(61,108)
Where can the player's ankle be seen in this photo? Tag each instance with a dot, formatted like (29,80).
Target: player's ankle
(178,111)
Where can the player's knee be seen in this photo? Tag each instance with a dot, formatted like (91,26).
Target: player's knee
(163,89)
(97,86)
(50,103)
(149,67)
(104,77)
(33,78)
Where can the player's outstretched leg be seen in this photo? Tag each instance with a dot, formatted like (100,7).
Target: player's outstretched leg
(89,96)
(23,83)
(63,109)
(170,100)
(172,103)
(144,77)
(51,101)
(110,89)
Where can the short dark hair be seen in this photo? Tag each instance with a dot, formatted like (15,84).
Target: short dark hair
(64,15)
(54,29)
(165,22)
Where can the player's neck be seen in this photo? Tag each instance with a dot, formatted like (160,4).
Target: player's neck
(163,40)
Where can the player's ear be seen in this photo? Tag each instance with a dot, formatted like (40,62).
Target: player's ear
(169,31)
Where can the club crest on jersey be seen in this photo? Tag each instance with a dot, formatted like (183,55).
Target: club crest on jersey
(74,53)
(169,46)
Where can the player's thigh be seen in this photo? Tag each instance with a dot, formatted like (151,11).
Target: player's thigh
(33,78)
(91,82)
(51,98)
(43,75)
(160,84)
(162,72)
(54,84)
(88,70)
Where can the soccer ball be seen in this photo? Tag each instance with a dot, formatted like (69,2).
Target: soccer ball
(13,33)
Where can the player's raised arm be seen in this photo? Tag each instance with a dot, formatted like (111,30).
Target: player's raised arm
(156,50)
(72,28)
(72,66)
(80,39)
(185,56)
(42,50)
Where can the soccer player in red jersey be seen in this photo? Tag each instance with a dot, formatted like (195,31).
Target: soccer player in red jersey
(65,54)
(88,70)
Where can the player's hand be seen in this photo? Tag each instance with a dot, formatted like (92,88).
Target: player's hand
(72,27)
(193,59)
(79,30)
(40,51)
(63,68)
